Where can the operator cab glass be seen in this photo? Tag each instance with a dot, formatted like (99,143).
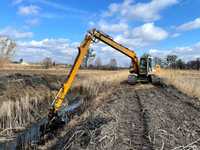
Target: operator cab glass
(143,66)
(143,63)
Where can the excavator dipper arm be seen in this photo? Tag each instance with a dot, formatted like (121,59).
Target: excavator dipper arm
(83,49)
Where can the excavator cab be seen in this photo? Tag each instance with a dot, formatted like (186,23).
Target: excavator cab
(145,66)
(145,71)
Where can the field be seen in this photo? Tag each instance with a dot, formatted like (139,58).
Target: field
(114,115)
(188,81)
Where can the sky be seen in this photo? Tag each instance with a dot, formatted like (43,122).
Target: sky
(55,28)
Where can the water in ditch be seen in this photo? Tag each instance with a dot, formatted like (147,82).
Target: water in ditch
(30,137)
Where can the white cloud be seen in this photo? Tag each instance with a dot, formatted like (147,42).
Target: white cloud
(149,11)
(32,22)
(142,36)
(174,35)
(91,23)
(158,53)
(15,34)
(185,52)
(149,32)
(130,42)
(17,1)
(61,45)
(137,37)
(28,10)
(120,27)
(60,50)
(195,24)
(62,7)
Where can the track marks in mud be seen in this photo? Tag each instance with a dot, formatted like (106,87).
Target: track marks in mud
(124,128)
(131,128)
(172,122)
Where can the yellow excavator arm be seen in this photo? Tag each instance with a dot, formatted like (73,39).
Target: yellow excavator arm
(91,36)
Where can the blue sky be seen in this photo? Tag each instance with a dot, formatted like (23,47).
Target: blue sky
(54,28)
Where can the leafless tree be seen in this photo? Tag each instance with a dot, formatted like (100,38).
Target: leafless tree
(113,64)
(98,62)
(158,61)
(47,62)
(90,55)
(171,61)
(7,48)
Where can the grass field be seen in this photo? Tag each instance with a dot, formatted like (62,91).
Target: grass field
(187,81)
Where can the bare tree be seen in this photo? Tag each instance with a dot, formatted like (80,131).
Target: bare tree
(171,61)
(157,61)
(47,62)
(113,64)
(98,62)
(88,56)
(7,48)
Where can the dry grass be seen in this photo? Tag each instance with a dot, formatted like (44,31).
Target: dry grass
(96,82)
(18,113)
(188,81)
(3,62)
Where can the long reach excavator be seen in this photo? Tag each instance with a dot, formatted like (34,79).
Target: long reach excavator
(139,70)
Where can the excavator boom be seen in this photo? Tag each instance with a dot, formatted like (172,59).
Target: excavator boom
(109,41)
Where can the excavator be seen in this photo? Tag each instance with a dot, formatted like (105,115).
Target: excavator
(140,71)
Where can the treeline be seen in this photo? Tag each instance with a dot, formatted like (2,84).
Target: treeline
(97,64)
(173,62)
(89,64)
(93,62)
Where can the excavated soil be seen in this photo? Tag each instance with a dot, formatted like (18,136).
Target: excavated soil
(128,117)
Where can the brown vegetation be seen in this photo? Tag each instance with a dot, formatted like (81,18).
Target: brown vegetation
(24,97)
(187,81)
(116,115)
